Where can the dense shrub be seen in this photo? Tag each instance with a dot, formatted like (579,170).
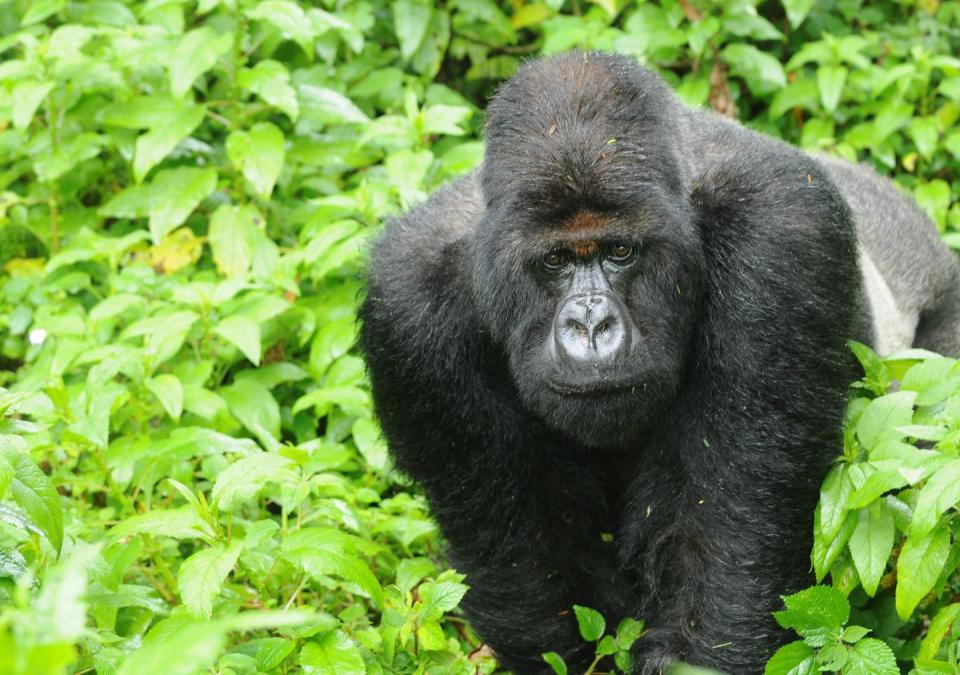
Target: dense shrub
(190,473)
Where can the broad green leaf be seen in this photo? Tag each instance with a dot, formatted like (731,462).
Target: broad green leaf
(556,662)
(817,614)
(26,98)
(326,106)
(834,500)
(180,645)
(797,10)
(830,81)
(796,658)
(871,656)
(940,627)
(257,410)
(195,54)
(270,80)
(242,332)
(918,567)
(288,18)
(871,544)
(232,234)
(882,416)
(590,622)
(935,199)
(762,72)
(925,132)
(410,21)
(40,10)
(366,435)
(330,343)
(440,597)
(430,636)
(243,479)
(445,119)
(258,153)
(169,392)
(941,492)
(61,601)
(168,199)
(161,139)
(201,576)
(179,523)
(32,491)
(333,654)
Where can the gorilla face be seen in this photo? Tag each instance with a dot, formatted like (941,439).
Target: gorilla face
(595,311)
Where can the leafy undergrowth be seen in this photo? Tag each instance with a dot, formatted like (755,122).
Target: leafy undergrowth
(191,475)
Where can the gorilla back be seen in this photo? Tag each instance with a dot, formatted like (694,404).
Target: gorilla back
(632,321)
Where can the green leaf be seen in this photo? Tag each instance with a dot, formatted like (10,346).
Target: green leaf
(242,332)
(366,435)
(871,544)
(257,410)
(259,154)
(168,199)
(326,106)
(181,646)
(882,416)
(289,19)
(934,197)
(232,235)
(169,392)
(40,10)
(940,627)
(796,658)
(556,662)
(941,492)
(180,523)
(201,576)
(270,80)
(34,493)
(817,614)
(852,634)
(797,10)
(195,54)
(925,132)
(333,654)
(871,657)
(834,500)
(437,598)
(160,141)
(830,81)
(410,21)
(26,97)
(762,72)
(590,622)
(243,479)
(918,567)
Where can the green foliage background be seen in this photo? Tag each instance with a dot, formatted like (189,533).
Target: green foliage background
(191,476)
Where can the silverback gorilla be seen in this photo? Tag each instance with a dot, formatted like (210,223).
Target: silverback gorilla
(615,359)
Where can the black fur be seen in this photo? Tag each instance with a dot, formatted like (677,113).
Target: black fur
(706,472)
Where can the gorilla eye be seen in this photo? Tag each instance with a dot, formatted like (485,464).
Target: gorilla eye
(553,261)
(620,253)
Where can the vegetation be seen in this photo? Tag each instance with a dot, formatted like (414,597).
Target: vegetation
(191,476)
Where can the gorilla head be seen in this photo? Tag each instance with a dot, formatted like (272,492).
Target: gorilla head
(586,267)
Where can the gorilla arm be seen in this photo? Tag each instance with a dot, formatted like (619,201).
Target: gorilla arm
(724,526)
(521,520)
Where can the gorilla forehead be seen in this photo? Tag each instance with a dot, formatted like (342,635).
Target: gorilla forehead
(580,130)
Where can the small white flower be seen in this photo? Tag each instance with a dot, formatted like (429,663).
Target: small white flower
(37,336)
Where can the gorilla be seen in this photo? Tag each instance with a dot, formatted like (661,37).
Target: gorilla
(615,358)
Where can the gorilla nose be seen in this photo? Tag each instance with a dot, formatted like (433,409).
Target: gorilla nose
(589,328)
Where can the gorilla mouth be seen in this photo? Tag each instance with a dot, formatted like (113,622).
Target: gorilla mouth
(593,388)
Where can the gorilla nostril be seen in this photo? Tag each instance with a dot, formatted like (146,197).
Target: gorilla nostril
(603,327)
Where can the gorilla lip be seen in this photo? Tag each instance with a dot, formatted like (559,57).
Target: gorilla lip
(592,389)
